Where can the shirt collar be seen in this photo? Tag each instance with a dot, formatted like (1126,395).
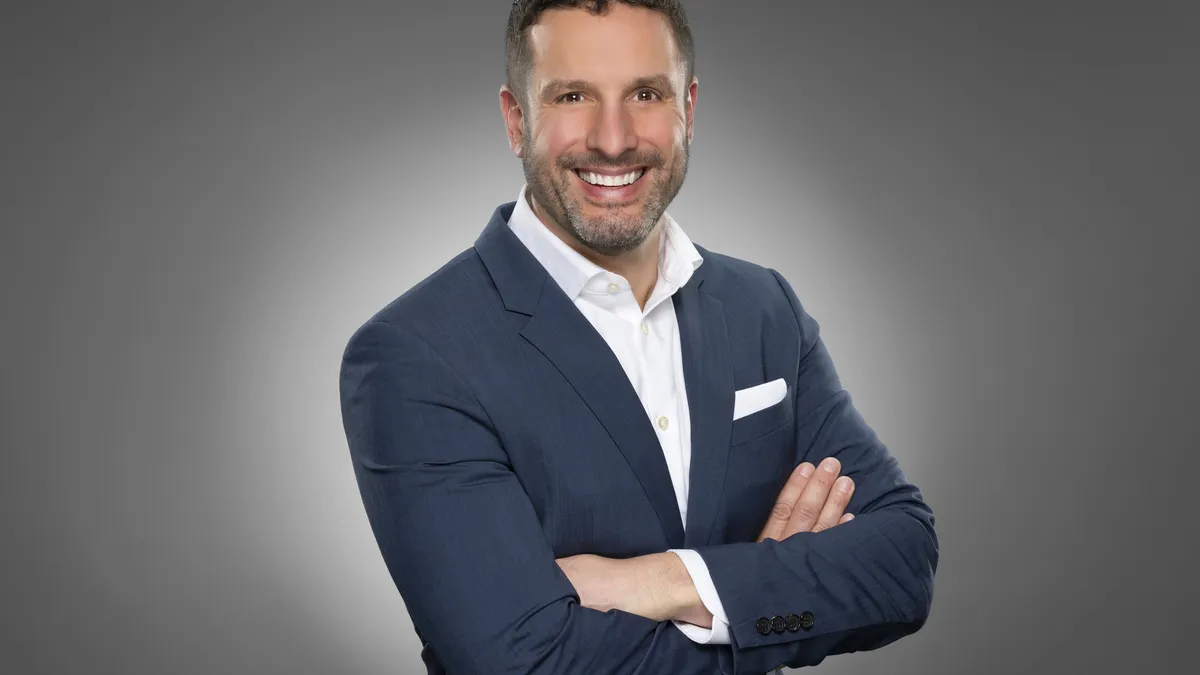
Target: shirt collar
(575,274)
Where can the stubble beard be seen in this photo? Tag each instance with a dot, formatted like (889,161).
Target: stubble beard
(609,234)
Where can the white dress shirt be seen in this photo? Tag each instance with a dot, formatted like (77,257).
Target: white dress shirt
(646,342)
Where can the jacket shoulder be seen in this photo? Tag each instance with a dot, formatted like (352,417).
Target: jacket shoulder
(460,287)
(741,280)
(755,295)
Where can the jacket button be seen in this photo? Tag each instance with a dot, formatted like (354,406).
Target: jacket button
(806,620)
(778,624)
(763,625)
(793,622)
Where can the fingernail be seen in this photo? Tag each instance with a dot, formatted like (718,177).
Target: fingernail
(806,469)
(830,465)
(843,484)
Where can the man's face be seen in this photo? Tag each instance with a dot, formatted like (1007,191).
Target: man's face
(606,103)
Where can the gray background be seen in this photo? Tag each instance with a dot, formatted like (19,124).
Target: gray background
(989,209)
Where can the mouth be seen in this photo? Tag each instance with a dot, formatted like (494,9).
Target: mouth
(610,186)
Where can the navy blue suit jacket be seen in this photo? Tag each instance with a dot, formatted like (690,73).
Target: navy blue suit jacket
(492,430)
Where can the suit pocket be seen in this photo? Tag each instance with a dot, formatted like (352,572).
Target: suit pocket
(762,422)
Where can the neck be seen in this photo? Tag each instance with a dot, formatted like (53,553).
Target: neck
(639,266)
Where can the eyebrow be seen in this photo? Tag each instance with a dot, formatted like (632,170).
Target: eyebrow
(661,82)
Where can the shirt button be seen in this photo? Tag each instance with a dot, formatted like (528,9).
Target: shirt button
(645,329)
(613,288)
(662,423)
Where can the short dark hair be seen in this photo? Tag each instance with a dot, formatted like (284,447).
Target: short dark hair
(525,13)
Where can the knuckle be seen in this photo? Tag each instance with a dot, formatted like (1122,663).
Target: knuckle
(820,489)
(806,513)
(824,479)
(781,511)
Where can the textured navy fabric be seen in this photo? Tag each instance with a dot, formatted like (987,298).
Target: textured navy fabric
(492,430)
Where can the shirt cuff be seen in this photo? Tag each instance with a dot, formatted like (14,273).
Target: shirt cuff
(702,580)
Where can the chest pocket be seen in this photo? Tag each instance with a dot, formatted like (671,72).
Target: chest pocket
(762,422)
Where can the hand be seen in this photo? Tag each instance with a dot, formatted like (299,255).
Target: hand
(640,585)
(810,501)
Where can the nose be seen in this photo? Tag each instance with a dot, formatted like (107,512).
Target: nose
(612,131)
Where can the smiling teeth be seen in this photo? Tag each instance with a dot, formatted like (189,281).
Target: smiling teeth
(610,181)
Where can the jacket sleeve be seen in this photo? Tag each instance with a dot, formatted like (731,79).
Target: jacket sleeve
(857,586)
(460,537)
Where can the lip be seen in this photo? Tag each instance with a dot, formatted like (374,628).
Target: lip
(609,172)
(600,193)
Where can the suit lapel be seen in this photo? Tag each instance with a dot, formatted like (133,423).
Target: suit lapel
(708,375)
(565,337)
(559,331)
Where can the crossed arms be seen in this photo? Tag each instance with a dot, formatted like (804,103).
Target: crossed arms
(659,586)
(465,549)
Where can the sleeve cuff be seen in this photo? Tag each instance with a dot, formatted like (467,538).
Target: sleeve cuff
(698,570)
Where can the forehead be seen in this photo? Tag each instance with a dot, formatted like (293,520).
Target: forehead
(626,41)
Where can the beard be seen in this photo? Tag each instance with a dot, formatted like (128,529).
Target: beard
(614,231)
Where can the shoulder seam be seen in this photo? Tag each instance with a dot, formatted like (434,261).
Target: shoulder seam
(795,316)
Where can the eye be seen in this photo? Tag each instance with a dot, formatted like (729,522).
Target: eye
(647,95)
(565,97)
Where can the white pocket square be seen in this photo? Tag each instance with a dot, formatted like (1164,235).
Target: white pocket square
(753,399)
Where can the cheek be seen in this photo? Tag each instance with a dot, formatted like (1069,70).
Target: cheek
(663,131)
(558,135)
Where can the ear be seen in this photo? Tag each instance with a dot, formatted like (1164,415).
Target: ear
(514,119)
(691,108)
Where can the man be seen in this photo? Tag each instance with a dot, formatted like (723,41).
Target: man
(534,424)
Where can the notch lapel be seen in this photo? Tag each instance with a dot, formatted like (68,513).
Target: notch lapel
(708,377)
(563,334)
(560,331)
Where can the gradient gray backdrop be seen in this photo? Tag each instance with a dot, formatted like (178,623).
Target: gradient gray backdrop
(989,210)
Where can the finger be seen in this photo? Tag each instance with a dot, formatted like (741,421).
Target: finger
(812,500)
(846,518)
(782,510)
(835,505)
